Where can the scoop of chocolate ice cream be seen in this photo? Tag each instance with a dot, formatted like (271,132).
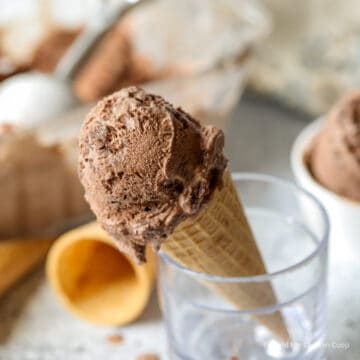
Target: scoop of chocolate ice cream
(146,166)
(335,154)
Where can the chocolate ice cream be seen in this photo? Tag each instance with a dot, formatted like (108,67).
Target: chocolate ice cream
(334,157)
(146,166)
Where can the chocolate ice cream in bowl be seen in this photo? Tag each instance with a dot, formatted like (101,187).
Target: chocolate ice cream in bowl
(326,161)
(158,180)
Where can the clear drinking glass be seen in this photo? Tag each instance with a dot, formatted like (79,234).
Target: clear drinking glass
(291,229)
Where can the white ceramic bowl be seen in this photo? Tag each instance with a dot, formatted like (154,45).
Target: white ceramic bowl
(344,244)
(344,214)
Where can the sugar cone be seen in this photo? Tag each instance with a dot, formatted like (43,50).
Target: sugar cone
(95,281)
(219,241)
(18,257)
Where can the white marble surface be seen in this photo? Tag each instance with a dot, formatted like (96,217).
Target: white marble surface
(33,326)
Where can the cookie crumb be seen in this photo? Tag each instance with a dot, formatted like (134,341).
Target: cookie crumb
(148,357)
(115,339)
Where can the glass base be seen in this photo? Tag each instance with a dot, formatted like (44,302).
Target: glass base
(251,355)
(240,341)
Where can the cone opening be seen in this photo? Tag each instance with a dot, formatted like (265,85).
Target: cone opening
(99,282)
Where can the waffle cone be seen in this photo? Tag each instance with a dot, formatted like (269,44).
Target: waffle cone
(18,257)
(219,241)
(95,281)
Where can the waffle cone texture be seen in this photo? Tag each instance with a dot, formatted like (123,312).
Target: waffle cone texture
(219,241)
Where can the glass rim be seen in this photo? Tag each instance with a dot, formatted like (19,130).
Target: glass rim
(323,240)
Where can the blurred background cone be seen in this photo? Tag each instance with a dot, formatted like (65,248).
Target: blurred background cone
(97,282)
(18,257)
(219,241)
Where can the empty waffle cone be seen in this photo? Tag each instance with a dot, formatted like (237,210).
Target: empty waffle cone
(219,241)
(95,281)
(18,257)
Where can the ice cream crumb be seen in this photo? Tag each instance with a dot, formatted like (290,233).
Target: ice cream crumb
(148,357)
(115,339)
